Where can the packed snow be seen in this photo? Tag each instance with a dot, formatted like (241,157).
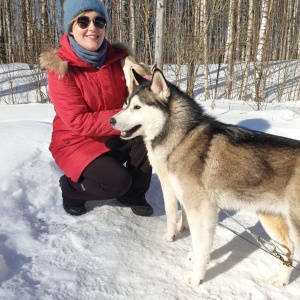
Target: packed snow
(110,253)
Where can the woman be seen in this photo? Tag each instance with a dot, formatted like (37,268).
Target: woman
(87,86)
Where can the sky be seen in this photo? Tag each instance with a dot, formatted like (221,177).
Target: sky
(109,253)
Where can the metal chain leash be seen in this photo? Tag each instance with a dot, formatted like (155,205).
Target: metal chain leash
(267,246)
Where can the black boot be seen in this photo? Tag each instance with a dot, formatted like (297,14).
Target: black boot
(74,210)
(72,207)
(143,208)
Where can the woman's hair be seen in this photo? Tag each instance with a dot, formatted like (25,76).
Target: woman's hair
(80,15)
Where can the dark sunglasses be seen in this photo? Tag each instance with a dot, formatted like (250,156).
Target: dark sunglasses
(84,22)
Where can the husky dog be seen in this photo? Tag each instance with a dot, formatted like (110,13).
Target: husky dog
(207,165)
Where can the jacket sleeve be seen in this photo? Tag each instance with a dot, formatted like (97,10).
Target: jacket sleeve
(73,110)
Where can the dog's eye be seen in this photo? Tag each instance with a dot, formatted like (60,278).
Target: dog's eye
(136,107)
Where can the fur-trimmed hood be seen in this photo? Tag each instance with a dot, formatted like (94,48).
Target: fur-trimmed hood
(60,60)
(51,62)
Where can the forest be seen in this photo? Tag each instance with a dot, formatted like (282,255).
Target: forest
(246,39)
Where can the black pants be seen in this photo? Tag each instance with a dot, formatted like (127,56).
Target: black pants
(124,172)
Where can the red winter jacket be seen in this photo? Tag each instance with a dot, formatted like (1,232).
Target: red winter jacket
(84,100)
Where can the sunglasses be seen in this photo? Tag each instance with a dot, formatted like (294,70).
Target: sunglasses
(84,22)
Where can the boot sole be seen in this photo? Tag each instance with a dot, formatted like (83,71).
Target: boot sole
(144,211)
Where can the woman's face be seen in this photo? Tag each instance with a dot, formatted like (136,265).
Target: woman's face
(90,38)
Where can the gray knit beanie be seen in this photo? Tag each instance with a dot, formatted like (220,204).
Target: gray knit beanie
(72,8)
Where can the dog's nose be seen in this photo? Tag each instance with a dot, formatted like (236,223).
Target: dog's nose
(112,121)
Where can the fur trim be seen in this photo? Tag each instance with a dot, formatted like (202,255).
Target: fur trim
(51,62)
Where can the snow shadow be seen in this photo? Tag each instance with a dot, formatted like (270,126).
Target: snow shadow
(231,254)
(11,262)
(255,124)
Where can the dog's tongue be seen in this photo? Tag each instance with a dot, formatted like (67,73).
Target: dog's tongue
(128,133)
(124,133)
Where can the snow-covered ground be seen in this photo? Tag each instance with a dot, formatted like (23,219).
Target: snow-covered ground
(110,253)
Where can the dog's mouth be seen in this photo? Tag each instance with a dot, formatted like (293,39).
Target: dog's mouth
(129,133)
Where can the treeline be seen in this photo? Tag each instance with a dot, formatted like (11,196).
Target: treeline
(239,36)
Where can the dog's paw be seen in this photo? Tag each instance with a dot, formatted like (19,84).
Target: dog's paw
(169,237)
(278,281)
(190,278)
(181,226)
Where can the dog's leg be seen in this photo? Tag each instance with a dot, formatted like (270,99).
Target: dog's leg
(171,211)
(294,225)
(202,223)
(183,222)
(277,229)
(170,203)
(294,212)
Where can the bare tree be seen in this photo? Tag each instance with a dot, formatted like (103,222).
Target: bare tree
(132,22)
(229,48)
(289,28)
(2,37)
(204,38)
(258,88)
(159,33)
(193,54)
(146,12)
(245,76)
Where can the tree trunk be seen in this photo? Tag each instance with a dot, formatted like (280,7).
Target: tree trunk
(132,24)
(159,37)
(229,59)
(259,82)
(2,37)
(204,33)
(243,91)
(8,37)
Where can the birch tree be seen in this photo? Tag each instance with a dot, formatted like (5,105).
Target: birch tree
(159,33)
(132,22)
(26,12)
(229,49)
(243,91)
(259,84)
(204,32)
(44,23)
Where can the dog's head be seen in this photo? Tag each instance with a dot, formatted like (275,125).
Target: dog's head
(147,109)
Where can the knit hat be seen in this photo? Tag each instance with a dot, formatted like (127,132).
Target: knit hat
(72,8)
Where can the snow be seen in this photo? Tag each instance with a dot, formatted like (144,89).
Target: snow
(110,253)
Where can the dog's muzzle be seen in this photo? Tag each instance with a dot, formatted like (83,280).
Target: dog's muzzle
(124,133)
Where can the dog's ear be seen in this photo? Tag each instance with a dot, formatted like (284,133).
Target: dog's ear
(159,85)
(138,79)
